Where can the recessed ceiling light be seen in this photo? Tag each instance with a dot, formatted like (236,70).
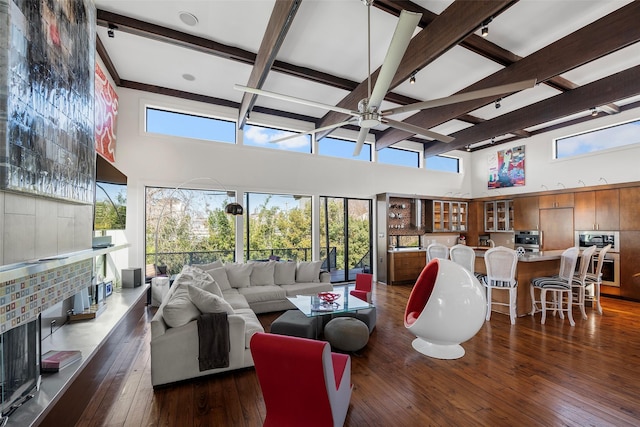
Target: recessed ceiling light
(188,18)
(188,77)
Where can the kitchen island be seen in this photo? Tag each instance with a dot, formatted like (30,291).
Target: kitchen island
(545,263)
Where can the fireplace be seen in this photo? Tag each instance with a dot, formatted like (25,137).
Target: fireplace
(20,373)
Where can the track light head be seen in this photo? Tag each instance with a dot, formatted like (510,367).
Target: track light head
(110,32)
(412,79)
(493,140)
(468,147)
(594,111)
(498,103)
(485,31)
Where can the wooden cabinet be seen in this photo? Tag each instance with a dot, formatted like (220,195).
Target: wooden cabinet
(525,213)
(597,210)
(553,201)
(459,214)
(498,216)
(629,265)
(406,266)
(557,228)
(630,208)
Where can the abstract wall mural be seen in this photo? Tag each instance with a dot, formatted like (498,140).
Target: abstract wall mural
(106,115)
(506,168)
(47,138)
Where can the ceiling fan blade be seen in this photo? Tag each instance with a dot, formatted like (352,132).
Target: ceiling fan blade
(399,43)
(362,135)
(312,131)
(462,97)
(294,99)
(417,130)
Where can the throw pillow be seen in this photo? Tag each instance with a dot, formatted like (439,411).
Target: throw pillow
(285,273)
(179,310)
(308,272)
(220,277)
(239,274)
(207,302)
(262,273)
(195,276)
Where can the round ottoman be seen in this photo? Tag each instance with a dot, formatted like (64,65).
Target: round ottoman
(347,333)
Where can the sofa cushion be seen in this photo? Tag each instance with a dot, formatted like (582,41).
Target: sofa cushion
(308,272)
(262,273)
(208,302)
(179,310)
(234,298)
(306,288)
(239,274)
(209,266)
(221,278)
(285,273)
(251,324)
(263,293)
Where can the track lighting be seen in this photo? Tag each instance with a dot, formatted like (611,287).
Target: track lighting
(485,31)
(412,79)
(498,103)
(110,31)
(493,140)
(485,27)
(468,147)
(594,111)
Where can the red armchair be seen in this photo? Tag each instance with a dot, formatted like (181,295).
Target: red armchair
(303,383)
(364,282)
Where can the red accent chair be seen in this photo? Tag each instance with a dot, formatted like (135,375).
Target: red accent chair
(364,282)
(303,383)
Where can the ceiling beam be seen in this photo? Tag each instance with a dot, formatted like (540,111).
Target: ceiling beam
(580,47)
(104,55)
(279,23)
(459,20)
(609,89)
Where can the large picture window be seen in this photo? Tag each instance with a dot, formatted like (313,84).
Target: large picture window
(443,164)
(184,125)
(399,156)
(277,226)
(597,140)
(188,226)
(342,148)
(260,136)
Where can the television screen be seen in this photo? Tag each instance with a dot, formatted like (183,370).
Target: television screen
(110,208)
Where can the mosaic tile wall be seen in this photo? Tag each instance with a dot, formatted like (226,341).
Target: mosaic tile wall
(47,136)
(21,300)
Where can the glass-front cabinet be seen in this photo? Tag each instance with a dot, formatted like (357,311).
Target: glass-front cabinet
(498,215)
(447,216)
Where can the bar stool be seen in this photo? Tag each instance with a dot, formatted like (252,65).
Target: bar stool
(579,279)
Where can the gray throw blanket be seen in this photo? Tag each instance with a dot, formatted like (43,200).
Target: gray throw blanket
(213,336)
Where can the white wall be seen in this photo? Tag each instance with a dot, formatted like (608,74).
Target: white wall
(615,166)
(157,160)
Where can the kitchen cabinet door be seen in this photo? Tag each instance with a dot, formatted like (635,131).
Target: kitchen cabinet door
(557,228)
(629,266)
(630,208)
(525,213)
(597,210)
(553,201)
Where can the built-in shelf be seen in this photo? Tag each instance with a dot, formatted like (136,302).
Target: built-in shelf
(86,336)
(27,268)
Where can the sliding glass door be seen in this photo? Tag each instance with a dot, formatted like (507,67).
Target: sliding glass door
(345,237)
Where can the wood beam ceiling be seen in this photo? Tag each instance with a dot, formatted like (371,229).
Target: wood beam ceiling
(609,89)
(459,20)
(281,18)
(580,47)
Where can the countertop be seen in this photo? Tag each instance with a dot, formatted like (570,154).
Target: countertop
(532,256)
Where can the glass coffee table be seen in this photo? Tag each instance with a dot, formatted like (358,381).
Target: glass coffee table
(312,305)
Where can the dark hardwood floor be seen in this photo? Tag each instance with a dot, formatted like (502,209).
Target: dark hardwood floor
(525,374)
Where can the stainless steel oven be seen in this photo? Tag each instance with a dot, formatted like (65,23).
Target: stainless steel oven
(529,240)
(611,266)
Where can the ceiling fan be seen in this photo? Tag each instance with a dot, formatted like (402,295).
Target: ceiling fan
(369,114)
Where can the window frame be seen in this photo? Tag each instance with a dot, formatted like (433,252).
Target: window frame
(457,159)
(180,112)
(635,122)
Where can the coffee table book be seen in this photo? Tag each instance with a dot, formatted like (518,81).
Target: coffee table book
(54,360)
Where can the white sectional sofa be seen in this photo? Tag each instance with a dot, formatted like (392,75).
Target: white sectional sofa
(242,290)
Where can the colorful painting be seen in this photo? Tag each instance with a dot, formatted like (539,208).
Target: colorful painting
(47,138)
(506,168)
(106,105)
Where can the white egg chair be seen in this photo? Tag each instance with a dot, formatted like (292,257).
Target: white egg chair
(447,306)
